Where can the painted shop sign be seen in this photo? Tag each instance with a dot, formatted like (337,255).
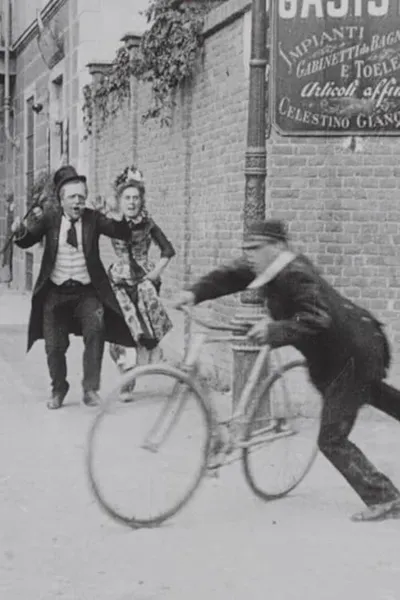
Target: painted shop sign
(336,67)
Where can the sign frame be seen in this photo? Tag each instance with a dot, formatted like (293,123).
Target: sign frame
(273,99)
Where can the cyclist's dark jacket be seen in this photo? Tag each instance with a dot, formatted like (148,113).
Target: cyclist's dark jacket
(310,315)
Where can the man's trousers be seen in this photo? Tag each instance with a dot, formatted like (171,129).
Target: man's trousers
(342,400)
(61,306)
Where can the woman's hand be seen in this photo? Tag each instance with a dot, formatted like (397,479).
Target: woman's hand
(153,276)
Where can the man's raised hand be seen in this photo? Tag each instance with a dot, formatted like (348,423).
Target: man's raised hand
(37,213)
(16,225)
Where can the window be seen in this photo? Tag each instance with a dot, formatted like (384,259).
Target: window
(58,142)
(29,178)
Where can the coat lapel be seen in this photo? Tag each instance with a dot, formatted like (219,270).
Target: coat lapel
(56,234)
(87,232)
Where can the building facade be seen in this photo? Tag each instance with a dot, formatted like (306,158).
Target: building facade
(45,46)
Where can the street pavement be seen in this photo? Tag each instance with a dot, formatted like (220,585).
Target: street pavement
(226,544)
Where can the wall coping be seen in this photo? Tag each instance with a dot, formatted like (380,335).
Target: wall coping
(51,8)
(101,67)
(224,15)
(131,39)
(217,18)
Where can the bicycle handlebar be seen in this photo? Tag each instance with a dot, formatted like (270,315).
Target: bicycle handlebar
(241,330)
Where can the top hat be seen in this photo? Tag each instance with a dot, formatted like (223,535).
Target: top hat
(66,174)
(266,231)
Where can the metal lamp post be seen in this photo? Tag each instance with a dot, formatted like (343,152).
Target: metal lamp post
(255,173)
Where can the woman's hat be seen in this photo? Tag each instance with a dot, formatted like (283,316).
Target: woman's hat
(260,232)
(129,175)
(66,174)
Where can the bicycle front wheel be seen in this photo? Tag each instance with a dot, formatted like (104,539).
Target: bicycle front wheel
(146,458)
(280,442)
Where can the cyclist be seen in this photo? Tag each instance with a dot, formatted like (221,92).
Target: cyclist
(346,350)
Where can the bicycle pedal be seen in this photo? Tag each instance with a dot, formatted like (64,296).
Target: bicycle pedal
(282,426)
(213,473)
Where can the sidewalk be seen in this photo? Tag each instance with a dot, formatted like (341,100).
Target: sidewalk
(14,306)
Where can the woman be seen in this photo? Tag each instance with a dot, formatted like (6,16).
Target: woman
(136,281)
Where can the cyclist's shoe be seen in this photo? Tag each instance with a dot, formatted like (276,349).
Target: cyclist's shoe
(379,512)
(220,447)
(282,425)
(126,394)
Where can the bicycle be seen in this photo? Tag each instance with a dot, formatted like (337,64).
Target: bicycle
(183,413)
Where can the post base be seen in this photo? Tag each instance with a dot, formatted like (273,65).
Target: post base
(244,352)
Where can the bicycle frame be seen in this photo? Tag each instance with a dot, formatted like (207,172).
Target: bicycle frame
(189,364)
(238,421)
(260,417)
(172,410)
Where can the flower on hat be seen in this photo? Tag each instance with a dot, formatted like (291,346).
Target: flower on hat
(131,173)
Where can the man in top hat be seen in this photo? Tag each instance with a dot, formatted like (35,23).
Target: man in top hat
(346,350)
(72,293)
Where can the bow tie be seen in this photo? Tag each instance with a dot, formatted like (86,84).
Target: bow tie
(72,238)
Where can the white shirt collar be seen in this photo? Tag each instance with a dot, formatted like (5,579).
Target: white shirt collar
(272,270)
(64,216)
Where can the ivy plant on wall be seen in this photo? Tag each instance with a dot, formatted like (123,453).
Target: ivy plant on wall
(42,189)
(166,57)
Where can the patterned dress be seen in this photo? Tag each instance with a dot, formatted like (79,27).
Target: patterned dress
(143,311)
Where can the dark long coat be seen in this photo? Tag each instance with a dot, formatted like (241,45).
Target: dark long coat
(94,224)
(312,316)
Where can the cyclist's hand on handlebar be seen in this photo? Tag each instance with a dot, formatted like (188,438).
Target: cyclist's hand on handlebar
(259,332)
(185,298)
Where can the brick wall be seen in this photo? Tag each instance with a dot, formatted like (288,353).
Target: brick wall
(342,209)
(340,201)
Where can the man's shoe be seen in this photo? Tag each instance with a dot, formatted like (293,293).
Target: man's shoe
(57,399)
(91,398)
(379,512)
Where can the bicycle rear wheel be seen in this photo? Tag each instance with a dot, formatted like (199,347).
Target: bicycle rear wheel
(145,459)
(280,441)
